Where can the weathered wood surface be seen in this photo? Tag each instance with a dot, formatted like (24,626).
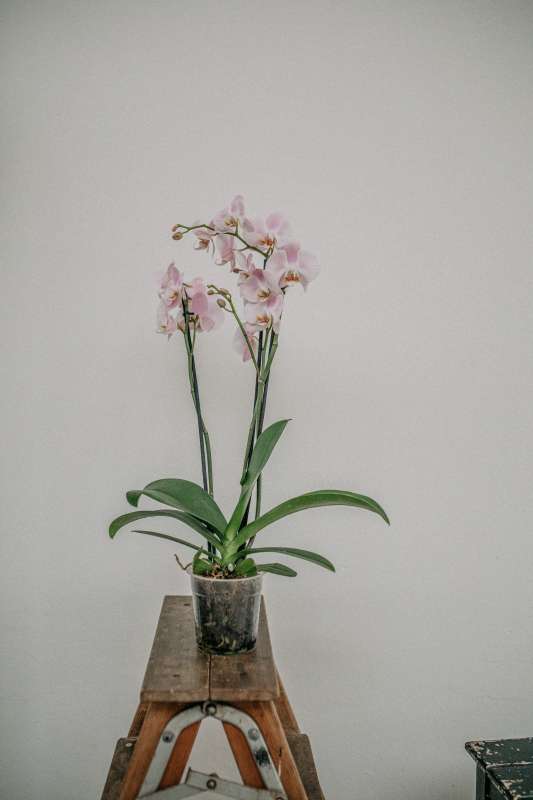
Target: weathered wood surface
(284,709)
(117,770)
(178,672)
(138,719)
(251,676)
(504,768)
(303,756)
(267,720)
(157,717)
(244,759)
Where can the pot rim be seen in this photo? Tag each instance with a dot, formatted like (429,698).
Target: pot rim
(223,581)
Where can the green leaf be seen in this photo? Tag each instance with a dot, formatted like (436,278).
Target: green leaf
(246,567)
(323,497)
(133,497)
(277,569)
(262,451)
(306,555)
(178,541)
(199,566)
(189,520)
(182,494)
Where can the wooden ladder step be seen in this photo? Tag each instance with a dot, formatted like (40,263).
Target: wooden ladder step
(298,742)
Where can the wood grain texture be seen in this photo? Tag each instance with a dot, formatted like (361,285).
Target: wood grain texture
(251,676)
(153,726)
(244,759)
(180,756)
(177,671)
(303,756)
(118,768)
(284,709)
(267,720)
(138,719)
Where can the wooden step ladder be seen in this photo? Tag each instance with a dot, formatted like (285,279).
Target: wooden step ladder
(182,686)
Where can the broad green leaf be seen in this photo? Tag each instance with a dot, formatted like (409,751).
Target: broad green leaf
(277,569)
(189,520)
(246,567)
(324,497)
(183,494)
(306,555)
(178,541)
(262,451)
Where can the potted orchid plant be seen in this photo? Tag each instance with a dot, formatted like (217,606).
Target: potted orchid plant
(225,572)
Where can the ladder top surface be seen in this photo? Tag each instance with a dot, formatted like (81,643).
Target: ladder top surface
(178,672)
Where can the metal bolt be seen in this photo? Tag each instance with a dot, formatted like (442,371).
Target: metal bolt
(211,783)
(168,737)
(253,734)
(211,709)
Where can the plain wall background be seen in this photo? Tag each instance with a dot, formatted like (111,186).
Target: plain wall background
(397,137)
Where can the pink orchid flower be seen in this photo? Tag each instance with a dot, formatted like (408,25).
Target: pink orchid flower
(275,231)
(225,252)
(239,342)
(261,286)
(171,287)
(232,216)
(292,265)
(204,306)
(244,265)
(204,238)
(166,323)
(263,316)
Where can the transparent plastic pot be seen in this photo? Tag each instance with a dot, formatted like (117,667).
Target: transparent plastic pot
(226,613)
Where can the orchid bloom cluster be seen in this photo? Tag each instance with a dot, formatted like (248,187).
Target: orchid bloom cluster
(267,260)
(265,257)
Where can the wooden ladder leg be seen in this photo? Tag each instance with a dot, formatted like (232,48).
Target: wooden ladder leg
(180,755)
(268,722)
(299,744)
(284,709)
(138,719)
(155,719)
(243,756)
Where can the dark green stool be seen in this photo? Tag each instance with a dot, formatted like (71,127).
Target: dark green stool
(504,769)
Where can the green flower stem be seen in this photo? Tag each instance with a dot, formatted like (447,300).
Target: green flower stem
(205,433)
(259,430)
(189,228)
(229,298)
(262,381)
(246,490)
(260,351)
(205,444)
(225,295)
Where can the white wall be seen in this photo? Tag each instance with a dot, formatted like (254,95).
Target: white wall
(397,136)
